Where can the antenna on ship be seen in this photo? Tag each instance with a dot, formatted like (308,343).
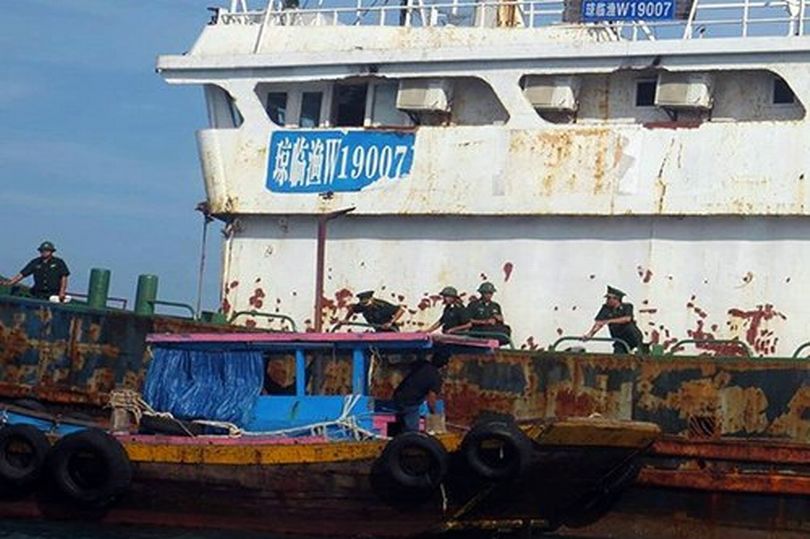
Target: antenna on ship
(205,210)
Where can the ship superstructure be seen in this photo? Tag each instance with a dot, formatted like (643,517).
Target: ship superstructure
(550,148)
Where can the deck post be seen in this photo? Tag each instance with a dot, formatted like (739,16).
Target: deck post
(358,371)
(300,373)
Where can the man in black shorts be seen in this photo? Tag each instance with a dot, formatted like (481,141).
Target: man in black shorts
(422,384)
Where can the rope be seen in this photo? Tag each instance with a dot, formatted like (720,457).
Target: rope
(233,430)
(345,422)
(132,402)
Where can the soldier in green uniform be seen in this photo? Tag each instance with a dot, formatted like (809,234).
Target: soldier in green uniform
(455,318)
(50,274)
(380,314)
(618,316)
(486,315)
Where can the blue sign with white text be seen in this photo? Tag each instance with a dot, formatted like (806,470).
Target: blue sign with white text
(322,161)
(627,10)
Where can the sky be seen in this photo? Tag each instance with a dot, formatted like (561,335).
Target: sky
(97,152)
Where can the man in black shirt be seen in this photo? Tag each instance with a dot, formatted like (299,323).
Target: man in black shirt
(50,274)
(455,318)
(422,384)
(486,315)
(619,318)
(380,314)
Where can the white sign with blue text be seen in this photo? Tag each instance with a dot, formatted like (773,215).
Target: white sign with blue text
(627,10)
(333,160)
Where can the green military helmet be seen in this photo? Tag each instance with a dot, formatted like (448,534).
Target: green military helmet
(46,246)
(449,291)
(486,288)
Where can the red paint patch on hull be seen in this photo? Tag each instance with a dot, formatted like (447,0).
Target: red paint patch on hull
(507,271)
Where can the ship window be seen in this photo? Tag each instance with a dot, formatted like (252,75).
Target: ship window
(277,107)
(384,111)
(645,93)
(222,110)
(329,373)
(350,104)
(279,375)
(311,109)
(782,94)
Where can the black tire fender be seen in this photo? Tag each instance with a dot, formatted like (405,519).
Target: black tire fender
(428,474)
(90,467)
(514,450)
(22,470)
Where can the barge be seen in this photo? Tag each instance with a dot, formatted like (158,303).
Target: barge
(226,448)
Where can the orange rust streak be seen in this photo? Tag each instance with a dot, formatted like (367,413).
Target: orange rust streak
(748,451)
(729,482)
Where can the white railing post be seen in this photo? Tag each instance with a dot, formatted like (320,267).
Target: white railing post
(745,18)
(268,12)
(802,12)
(531,13)
(687,31)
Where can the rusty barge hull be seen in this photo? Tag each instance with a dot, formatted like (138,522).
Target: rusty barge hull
(75,355)
(736,428)
(336,489)
(64,354)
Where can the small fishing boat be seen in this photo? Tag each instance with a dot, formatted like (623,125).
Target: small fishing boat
(282,432)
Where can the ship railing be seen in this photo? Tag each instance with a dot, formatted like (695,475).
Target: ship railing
(282,318)
(578,338)
(696,18)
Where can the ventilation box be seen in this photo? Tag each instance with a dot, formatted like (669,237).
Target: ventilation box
(552,93)
(425,95)
(684,91)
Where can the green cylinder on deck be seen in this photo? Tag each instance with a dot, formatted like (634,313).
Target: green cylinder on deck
(146,294)
(99,288)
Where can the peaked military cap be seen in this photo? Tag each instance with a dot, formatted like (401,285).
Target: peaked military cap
(615,292)
(46,246)
(449,291)
(365,294)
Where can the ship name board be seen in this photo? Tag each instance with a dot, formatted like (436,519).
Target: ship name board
(627,10)
(320,161)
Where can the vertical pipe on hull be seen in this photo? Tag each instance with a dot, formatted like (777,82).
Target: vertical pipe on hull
(320,260)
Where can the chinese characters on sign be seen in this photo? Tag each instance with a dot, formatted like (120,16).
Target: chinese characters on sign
(627,10)
(321,161)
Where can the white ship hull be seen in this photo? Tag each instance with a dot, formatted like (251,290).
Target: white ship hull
(693,199)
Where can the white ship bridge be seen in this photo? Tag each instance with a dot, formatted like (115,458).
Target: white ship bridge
(660,146)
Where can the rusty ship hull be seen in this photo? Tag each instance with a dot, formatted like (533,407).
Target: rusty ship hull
(736,429)
(336,489)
